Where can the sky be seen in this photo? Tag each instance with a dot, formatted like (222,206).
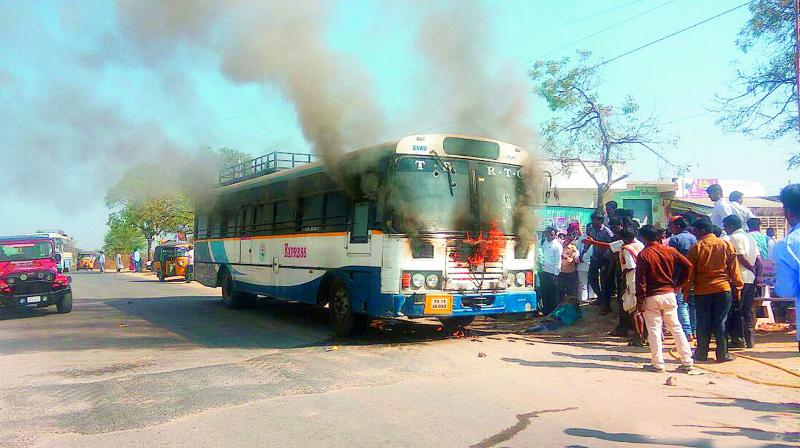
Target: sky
(90,89)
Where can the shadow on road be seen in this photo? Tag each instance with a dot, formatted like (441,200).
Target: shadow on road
(577,365)
(203,320)
(25,313)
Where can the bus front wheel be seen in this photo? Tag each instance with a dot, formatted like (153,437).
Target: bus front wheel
(451,324)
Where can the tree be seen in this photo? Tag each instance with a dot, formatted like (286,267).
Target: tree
(158,199)
(153,217)
(585,129)
(122,237)
(766,98)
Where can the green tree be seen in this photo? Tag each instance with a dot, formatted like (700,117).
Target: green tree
(765,100)
(122,237)
(583,128)
(153,217)
(158,199)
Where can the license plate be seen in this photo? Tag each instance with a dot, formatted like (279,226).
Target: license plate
(438,304)
(34,299)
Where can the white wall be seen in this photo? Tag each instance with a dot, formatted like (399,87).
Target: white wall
(574,185)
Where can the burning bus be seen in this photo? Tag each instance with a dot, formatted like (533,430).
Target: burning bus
(427,226)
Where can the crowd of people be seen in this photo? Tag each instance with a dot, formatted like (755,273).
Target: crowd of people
(697,279)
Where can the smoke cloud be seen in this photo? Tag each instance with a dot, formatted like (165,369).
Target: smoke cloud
(479,95)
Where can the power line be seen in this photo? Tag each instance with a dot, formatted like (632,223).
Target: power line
(570,22)
(669,35)
(610,27)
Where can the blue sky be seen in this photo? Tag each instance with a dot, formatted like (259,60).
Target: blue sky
(88,91)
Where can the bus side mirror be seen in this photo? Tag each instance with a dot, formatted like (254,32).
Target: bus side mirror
(58,257)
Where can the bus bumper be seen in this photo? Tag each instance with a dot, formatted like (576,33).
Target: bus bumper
(413,305)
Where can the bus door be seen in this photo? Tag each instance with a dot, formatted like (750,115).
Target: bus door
(359,241)
(246,234)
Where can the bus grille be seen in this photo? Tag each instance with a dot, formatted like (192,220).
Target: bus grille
(483,277)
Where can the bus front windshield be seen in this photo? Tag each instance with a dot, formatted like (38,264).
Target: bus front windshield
(425,198)
(22,251)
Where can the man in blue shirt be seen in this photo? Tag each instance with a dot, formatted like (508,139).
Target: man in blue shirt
(682,241)
(599,263)
(787,251)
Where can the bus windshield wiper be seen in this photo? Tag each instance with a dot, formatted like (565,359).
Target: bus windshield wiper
(439,161)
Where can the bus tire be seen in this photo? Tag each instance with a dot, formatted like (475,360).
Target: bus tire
(160,275)
(343,320)
(64,305)
(451,324)
(231,298)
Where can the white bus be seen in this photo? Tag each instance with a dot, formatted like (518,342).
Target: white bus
(65,246)
(420,227)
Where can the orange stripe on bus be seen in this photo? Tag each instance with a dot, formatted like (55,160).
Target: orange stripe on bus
(295,235)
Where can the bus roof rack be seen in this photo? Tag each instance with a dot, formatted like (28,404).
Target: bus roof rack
(260,166)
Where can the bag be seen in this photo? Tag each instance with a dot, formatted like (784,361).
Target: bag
(568,314)
(629,297)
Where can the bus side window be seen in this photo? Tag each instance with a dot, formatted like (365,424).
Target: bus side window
(244,221)
(335,219)
(360,229)
(311,213)
(266,215)
(231,224)
(285,216)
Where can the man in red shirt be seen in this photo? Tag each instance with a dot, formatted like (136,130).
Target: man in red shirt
(657,279)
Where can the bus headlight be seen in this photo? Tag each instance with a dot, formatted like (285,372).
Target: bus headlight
(417,280)
(49,277)
(520,277)
(11,280)
(432,281)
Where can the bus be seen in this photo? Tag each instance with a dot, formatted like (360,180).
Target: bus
(65,246)
(422,227)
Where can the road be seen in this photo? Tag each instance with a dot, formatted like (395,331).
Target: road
(140,363)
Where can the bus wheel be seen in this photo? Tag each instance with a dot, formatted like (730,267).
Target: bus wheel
(343,320)
(160,275)
(452,324)
(64,305)
(230,297)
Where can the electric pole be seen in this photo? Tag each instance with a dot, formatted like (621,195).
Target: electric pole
(797,59)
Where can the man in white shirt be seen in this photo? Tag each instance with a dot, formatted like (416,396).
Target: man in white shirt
(551,267)
(741,322)
(736,199)
(722,206)
(189,264)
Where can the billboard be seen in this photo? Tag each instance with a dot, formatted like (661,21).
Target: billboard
(697,189)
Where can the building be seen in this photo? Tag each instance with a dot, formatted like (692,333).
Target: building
(770,211)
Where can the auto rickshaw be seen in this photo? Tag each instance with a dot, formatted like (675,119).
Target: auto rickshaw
(86,261)
(170,260)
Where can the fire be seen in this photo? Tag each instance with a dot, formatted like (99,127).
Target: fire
(486,246)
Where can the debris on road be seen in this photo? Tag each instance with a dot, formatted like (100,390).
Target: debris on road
(481,355)
(331,348)
(671,381)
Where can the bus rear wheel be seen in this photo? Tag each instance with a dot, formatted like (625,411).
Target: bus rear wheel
(343,320)
(230,297)
(160,275)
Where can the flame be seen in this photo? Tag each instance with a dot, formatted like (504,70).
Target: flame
(486,246)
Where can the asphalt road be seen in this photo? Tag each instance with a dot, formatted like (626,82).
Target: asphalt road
(140,363)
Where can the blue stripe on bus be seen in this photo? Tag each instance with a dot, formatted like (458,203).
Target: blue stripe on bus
(363,285)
